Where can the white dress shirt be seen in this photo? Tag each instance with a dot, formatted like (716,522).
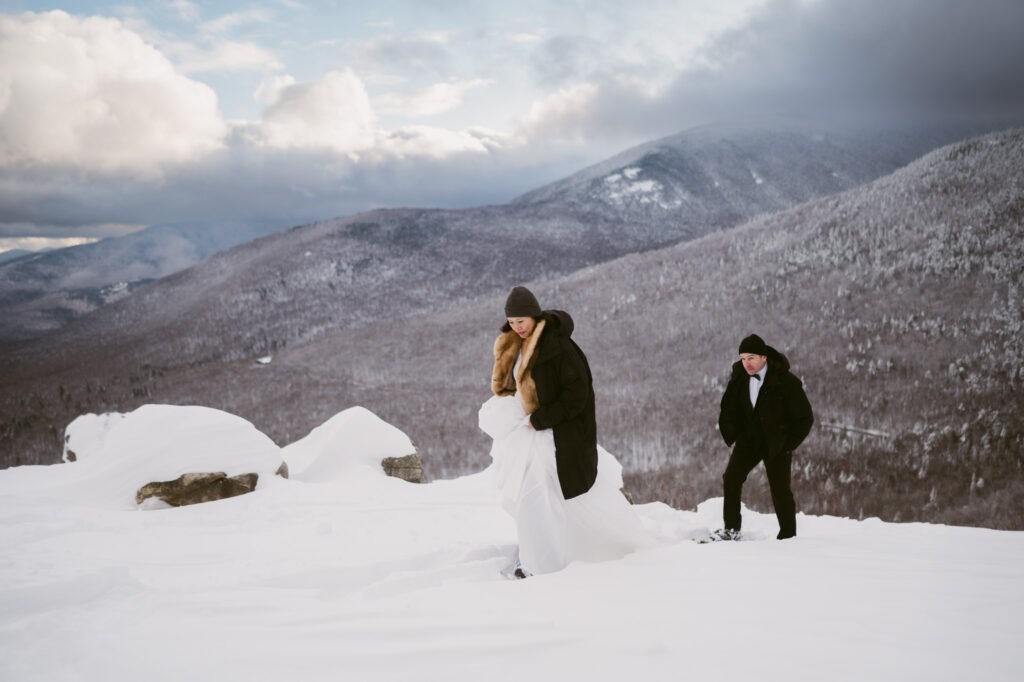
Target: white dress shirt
(755,384)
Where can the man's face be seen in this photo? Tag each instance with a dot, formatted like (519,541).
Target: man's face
(753,363)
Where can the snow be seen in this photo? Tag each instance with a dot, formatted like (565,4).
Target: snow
(644,191)
(119,453)
(343,573)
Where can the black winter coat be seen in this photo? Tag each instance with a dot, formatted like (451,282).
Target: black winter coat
(557,391)
(565,390)
(783,411)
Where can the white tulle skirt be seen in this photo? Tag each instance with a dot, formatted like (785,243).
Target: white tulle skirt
(596,526)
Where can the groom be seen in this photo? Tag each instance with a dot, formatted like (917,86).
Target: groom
(766,414)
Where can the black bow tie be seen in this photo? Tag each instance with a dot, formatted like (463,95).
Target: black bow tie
(755,376)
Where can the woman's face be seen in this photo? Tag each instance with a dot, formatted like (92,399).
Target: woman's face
(522,325)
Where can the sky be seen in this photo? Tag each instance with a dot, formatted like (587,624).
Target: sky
(115,116)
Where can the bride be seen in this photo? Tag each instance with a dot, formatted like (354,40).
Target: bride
(561,488)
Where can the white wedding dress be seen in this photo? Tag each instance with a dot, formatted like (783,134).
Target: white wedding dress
(596,526)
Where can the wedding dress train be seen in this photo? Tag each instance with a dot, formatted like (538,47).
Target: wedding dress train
(596,526)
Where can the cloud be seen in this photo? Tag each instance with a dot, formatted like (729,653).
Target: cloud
(91,115)
(565,59)
(420,53)
(332,113)
(873,61)
(40,243)
(436,99)
(89,94)
(229,22)
(225,56)
(438,143)
(186,11)
(10,232)
(272,86)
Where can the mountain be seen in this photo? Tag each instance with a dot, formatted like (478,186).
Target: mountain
(14,254)
(345,321)
(673,189)
(43,291)
(341,569)
(718,176)
(898,303)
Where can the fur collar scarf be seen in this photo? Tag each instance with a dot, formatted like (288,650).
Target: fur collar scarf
(506,349)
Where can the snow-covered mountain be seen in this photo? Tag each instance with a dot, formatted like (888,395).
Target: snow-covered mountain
(662,192)
(343,573)
(717,176)
(875,294)
(42,291)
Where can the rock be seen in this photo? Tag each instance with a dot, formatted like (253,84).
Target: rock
(282,470)
(408,468)
(195,488)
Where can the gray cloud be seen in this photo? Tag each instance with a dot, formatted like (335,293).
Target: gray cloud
(867,59)
(429,57)
(872,60)
(565,59)
(263,186)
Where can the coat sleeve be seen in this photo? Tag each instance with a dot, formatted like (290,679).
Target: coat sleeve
(800,415)
(727,416)
(573,390)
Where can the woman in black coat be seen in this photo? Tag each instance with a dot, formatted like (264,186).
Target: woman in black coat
(545,449)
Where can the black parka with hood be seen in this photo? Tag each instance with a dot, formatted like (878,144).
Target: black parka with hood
(556,388)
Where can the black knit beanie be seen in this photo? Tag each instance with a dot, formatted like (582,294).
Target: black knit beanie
(521,303)
(753,344)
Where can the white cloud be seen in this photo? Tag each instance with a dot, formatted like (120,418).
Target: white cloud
(559,115)
(225,56)
(439,143)
(436,99)
(231,21)
(187,11)
(332,113)
(271,87)
(335,114)
(41,243)
(11,232)
(92,95)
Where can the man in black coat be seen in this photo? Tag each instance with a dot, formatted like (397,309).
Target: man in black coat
(766,414)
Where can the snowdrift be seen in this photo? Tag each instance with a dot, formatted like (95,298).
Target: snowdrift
(345,573)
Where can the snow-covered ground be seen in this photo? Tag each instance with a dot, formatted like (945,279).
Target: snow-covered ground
(342,573)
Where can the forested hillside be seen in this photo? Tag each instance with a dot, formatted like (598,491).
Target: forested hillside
(898,303)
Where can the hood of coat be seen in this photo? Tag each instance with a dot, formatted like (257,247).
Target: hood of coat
(777,362)
(559,322)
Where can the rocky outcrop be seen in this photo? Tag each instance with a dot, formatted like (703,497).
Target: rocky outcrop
(197,488)
(408,468)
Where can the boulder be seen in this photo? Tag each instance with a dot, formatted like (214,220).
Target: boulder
(195,488)
(169,452)
(408,468)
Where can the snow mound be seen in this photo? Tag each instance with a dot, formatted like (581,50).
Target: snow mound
(119,453)
(87,434)
(353,440)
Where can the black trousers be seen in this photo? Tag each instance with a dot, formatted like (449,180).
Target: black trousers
(741,462)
